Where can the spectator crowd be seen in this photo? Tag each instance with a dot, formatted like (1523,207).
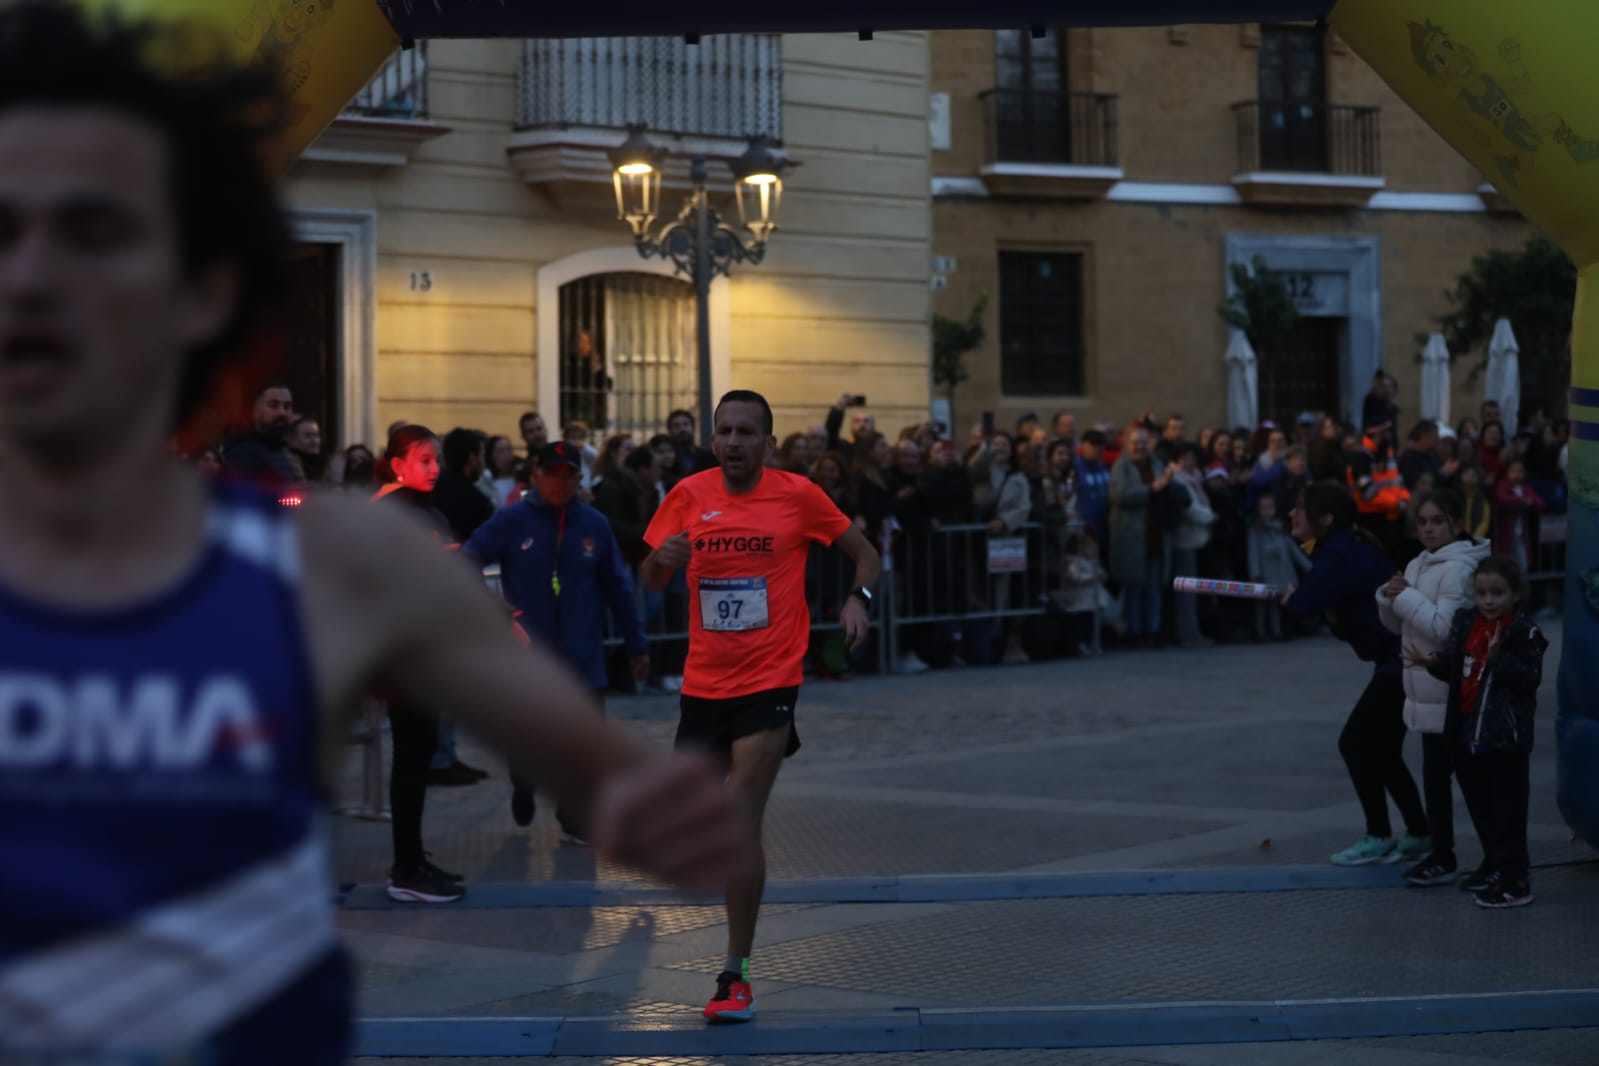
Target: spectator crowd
(1108,513)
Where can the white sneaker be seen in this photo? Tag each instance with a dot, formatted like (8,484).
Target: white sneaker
(910,663)
(672,684)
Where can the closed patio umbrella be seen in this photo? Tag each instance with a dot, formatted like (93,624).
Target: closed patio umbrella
(1243,406)
(1504,374)
(1435,380)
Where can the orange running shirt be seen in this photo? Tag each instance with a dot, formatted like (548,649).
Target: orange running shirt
(749,624)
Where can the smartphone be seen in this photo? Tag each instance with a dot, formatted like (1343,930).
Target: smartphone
(988,423)
(856,401)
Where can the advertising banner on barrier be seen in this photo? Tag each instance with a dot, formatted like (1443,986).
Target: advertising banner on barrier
(1007,555)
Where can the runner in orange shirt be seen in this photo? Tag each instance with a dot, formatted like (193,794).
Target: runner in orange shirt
(744,531)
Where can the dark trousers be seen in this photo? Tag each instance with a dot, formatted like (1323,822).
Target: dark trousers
(1495,784)
(524,780)
(414,734)
(1079,630)
(1437,773)
(1373,747)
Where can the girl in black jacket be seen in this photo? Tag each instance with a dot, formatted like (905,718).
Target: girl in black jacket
(1493,663)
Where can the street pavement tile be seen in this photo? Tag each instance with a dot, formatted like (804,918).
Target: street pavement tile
(1254,766)
(1254,946)
(548,930)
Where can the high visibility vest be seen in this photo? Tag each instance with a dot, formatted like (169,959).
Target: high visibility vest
(1383,493)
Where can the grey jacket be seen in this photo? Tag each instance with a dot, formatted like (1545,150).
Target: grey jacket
(1129,521)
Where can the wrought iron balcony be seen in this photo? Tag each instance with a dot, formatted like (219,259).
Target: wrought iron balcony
(1294,137)
(1049,145)
(400,89)
(387,121)
(1068,129)
(726,87)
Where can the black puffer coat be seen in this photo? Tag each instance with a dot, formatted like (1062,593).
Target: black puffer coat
(1507,698)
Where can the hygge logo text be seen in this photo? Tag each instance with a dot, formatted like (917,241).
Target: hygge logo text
(95,722)
(734,544)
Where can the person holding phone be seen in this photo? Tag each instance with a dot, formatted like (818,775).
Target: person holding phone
(860,423)
(742,534)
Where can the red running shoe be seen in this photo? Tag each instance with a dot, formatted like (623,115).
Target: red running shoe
(734,1000)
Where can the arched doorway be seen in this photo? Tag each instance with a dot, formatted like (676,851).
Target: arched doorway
(627,352)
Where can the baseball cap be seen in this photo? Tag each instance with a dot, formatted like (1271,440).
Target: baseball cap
(559,453)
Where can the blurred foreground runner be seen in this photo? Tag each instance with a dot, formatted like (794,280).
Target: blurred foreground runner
(178,661)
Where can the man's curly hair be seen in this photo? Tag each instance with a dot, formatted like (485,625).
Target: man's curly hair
(219,119)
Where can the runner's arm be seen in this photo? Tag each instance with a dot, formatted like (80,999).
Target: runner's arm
(868,564)
(407,619)
(667,537)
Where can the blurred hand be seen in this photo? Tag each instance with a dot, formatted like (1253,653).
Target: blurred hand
(1288,594)
(1413,657)
(1395,586)
(675,552)
(996,525)
(674,817)
(855,622)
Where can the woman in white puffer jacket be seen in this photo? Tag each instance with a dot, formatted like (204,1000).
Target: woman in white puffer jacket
(1420,606)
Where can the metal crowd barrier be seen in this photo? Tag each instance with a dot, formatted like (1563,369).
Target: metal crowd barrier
(950,576)
(369,737)
(1546,570)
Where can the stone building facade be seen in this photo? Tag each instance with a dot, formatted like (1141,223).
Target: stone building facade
(1095,184)
(461,254)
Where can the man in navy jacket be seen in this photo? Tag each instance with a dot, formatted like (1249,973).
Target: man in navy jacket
(560,568)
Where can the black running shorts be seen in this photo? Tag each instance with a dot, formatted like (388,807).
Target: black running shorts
(714,724)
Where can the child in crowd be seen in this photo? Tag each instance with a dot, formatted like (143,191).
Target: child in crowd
(1420,605)
(576,434)
(1518,507)
(1274,559)
(1493,663)
(1410,544)
(1082,590)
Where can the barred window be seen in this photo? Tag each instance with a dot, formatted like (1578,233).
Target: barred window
(1041,323)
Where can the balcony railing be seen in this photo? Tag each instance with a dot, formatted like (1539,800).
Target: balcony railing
(727,86)
(1069,129)
(1296,137)
(400,89)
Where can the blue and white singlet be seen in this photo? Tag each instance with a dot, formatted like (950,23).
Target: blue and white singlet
(164,884)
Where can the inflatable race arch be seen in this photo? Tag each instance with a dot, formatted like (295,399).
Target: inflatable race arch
(1512,87)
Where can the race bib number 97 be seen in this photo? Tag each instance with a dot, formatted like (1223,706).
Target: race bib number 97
(732,604)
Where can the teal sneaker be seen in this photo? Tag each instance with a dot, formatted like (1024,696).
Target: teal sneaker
(1365,850)
(1410,849)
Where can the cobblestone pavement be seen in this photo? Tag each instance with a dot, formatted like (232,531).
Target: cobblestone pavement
(1216,758)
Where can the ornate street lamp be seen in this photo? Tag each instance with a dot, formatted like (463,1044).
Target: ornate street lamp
(698,242)
(637,176)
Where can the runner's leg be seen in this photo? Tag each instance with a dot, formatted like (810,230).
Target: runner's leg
(756,760)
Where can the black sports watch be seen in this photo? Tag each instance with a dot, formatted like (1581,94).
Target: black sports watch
(864,594)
